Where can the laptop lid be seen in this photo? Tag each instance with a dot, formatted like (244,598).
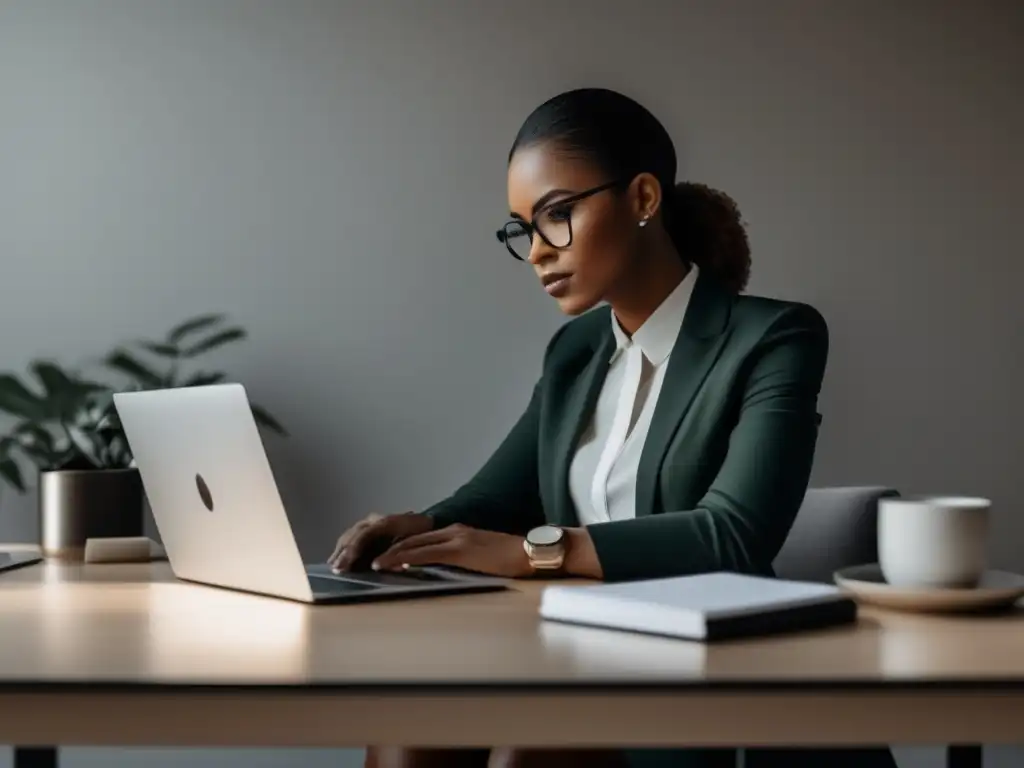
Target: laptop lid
(212,490)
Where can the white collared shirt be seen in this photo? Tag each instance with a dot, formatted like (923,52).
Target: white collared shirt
(602,475)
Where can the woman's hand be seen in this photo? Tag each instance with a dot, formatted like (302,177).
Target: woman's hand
(375,533)
(497,554)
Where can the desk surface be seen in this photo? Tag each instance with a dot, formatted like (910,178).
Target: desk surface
(128,628)
(137,624)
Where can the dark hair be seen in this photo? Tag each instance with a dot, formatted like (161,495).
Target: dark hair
(625,140)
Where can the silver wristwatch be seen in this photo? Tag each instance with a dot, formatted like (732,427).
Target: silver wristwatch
(545,547)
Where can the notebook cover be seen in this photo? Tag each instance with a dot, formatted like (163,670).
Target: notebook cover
(725,605)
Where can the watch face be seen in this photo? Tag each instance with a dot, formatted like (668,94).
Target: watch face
(545,536)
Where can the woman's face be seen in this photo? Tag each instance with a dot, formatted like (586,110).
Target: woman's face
(604,231)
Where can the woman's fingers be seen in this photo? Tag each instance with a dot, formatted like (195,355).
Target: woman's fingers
(420,539)
(352,542)
(439,553)
(353,551)
(342,542)
(344,539)
(410,550)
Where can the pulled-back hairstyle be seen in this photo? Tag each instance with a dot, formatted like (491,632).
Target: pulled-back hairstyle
(624,139)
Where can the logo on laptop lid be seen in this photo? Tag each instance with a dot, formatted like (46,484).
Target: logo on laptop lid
(204,492)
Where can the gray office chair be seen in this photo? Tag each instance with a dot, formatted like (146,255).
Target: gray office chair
(835,528)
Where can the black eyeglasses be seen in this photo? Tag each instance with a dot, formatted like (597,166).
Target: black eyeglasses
(553,222)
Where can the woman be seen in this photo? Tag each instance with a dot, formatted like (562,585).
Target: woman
(671,432)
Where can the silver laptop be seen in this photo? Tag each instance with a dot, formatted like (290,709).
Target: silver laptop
(219,512)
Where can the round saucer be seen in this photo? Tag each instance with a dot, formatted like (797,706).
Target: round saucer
(866,584)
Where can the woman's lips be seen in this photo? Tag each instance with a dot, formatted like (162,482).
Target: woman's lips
(556,284)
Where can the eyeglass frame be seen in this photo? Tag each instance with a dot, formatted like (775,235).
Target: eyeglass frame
(531,225)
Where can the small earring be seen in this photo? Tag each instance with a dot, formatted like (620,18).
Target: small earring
(643,223)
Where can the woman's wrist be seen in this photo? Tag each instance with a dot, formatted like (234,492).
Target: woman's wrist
(580,555)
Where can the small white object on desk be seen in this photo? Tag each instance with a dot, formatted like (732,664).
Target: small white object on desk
(702,607)
(121,549)
(936,542)
(10,561)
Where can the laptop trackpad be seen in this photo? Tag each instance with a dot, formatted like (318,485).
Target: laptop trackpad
(322,584)
(361,580)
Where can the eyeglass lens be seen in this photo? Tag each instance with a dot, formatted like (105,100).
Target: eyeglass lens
(553,225)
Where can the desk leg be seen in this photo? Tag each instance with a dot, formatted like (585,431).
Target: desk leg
(35,757)
(964,756)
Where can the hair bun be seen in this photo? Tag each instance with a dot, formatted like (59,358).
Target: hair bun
(708,230)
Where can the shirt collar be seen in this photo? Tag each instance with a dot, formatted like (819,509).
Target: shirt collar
(657,335)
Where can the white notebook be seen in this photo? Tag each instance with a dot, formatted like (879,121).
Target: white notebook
(707,606)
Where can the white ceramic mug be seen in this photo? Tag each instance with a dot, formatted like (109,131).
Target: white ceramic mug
(933,541)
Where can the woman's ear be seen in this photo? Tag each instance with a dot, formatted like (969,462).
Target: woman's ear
(646,197)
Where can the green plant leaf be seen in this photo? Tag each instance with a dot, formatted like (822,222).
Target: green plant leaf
(10,472)
(161,349)
(263,418)
(35,441)
(17,399)
(8,466)
(86,445)
(64,391)
(109,420)
(217,340)
(179,332)
(61,447)
(203,378)
(56,381)
(118,454)
(121,360)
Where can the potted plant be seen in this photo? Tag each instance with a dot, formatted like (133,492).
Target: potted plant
(66,426)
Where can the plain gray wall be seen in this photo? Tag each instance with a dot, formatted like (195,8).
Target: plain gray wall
(331,174)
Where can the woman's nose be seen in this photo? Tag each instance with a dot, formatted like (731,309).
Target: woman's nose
(541,252)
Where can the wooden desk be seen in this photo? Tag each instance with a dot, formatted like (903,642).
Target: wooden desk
(125,655)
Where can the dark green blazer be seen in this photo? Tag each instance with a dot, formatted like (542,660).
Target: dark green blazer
(727,458)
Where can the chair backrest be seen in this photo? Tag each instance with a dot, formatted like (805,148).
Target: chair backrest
(835,528)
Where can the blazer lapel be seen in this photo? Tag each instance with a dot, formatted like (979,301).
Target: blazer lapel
(697,347)
(579,404)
